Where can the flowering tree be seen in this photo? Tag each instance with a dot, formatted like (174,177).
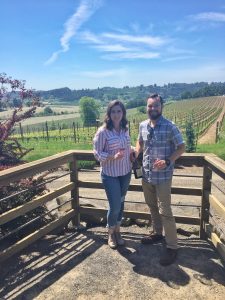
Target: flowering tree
(13,94)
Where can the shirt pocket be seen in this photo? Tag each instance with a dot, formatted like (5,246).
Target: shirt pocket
(113,143)
(162,139)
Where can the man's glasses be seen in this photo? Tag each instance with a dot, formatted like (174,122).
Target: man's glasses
(150,134)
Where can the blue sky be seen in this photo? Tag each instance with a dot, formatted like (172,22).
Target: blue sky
(97,43)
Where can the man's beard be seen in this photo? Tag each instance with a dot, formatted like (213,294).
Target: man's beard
(154,115)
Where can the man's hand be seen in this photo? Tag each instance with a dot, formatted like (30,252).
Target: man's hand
(159,164)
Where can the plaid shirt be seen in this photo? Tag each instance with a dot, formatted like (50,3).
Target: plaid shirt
(159,142)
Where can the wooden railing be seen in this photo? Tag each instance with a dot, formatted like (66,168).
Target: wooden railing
(209,163)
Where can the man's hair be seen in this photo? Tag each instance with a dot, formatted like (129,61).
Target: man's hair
(155,96)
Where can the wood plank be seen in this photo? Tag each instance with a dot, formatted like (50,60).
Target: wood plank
(136,215)
(206,188)
(75,190)
(32,168)
(217,205)
(191,159)
(35,236)
(216,164)
(196,159)
(217,243)
(22,209)
(138,188)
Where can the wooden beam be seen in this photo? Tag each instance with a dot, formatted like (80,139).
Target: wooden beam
(32,168)
(75,190)
(216,164)
(206,188)
(138,188)
(190,159)
(217,205)
(196,159)
(26,241)
(218,244)
(22,209)
(136,215)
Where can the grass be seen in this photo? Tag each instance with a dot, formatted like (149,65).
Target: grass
(218,149)
(44,149)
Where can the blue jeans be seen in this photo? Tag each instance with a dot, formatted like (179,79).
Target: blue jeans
(116,189)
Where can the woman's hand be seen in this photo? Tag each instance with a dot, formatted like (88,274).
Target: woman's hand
(119,154)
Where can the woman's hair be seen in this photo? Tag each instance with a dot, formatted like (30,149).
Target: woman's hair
(107,123)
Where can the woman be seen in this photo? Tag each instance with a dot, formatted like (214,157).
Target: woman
(112,148)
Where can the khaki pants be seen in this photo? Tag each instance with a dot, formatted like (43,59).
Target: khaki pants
(158,198)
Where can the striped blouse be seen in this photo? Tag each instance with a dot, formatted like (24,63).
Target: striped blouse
(109,142)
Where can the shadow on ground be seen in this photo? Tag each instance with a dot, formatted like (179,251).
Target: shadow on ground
(48,260)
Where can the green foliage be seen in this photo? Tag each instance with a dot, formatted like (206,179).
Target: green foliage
(186,95)
(175,91)
(190,137)
(89,110)
(48,111)
(142,109)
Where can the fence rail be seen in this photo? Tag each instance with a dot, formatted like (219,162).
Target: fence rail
(209,163)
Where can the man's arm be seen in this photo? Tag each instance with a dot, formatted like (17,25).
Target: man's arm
(161,164)
(177,153)
(139,147)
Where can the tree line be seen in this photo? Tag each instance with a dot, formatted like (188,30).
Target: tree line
(134,95)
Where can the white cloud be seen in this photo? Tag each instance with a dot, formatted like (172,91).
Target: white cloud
(126,46)
(80,16)
(210,16)
(104,73)
(174,58)
(145,39)
(113,48)
(174,50)
(132,55)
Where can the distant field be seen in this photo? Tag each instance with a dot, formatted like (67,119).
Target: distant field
(38,120)
(56,108)
(202,112)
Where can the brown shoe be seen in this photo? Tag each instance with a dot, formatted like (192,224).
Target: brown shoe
(119,240)
(112,239)
(168,257)
(152,238)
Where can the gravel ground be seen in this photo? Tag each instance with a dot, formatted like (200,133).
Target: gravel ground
(80,265)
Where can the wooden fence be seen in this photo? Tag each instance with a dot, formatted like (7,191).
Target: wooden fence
(209,164)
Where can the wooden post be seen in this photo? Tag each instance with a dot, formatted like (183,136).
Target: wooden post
(217,131)
(129,127)
(21,131)
(206,190)
(46,127)
(74,132)
(75,191)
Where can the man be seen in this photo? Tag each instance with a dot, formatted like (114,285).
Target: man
(161,143)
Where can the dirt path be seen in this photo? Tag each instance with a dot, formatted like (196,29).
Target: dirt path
(210,136)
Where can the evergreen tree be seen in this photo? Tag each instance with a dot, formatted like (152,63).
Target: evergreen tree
(190,137)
